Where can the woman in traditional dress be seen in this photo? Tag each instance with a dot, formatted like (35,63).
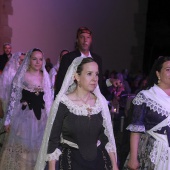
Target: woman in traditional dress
(79,131)
(8,75)
(5,87)
(150,127)
(30,101)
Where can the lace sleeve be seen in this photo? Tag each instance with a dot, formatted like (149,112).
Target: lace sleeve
(109,147)
(138,114)
(54,156)
(14,101)
(136,128)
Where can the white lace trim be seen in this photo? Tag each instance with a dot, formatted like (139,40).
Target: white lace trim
(32,88)
(153,105)
(81,110)
(109,147)
(136,128)
(54,156)
(159,152)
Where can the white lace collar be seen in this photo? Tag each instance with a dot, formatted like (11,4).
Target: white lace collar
(81,110)
(156,99)
(32,88)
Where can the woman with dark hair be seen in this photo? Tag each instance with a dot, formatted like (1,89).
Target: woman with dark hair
(150,126)
(79,131)
(54,70)
(29,105)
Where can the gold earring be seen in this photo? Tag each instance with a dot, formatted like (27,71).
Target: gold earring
(79,84)
(159,80)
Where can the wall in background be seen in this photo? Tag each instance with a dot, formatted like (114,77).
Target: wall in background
(5,30)
(118,28)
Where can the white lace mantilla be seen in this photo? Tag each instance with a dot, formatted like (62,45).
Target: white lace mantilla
(54,156)
(159,152)
(153,105)
(81,110)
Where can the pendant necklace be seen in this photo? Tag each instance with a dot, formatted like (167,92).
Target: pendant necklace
(89,110)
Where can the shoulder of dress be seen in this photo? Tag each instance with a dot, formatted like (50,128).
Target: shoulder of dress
(139,99)
(152,104)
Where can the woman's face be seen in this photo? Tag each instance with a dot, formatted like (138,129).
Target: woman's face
(21,59)
(164,75)
(88,78)
(36,61)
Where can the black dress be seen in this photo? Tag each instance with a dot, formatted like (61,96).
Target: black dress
(81,134)
(144,119)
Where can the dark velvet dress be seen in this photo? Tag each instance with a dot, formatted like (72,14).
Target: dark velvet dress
(80,135)
(144,118)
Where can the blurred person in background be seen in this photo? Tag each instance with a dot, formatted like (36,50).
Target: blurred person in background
(7,48)
(54,70)
(6,79)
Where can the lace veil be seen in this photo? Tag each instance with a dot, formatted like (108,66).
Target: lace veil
(7,77)
(67,87)
(17,85)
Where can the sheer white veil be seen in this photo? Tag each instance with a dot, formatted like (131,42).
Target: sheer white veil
(7,77)
(67,87)
(17,85)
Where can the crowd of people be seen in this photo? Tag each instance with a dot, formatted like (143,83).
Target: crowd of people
(62,117)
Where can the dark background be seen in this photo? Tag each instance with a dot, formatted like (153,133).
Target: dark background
(157,36)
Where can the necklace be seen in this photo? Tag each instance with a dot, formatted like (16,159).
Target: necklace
(84,101)
(89,110)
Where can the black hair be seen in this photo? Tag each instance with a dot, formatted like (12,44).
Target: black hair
(62,52)
(157,66)
(84,61)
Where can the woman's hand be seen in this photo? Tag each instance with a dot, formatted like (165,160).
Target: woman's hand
(7,128)
(133,164)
